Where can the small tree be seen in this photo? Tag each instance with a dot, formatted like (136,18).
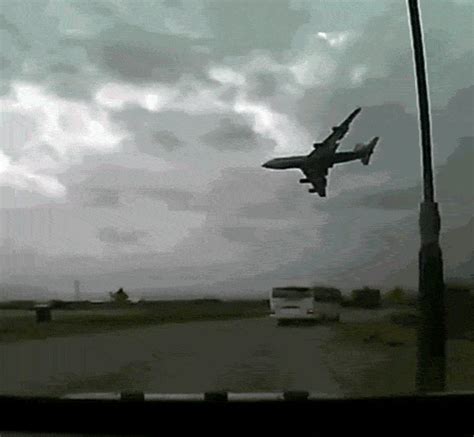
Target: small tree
(119,296)
(397,296)
(366,297)
(327,294)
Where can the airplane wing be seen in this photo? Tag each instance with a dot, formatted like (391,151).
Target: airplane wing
(338,133)
(317,177)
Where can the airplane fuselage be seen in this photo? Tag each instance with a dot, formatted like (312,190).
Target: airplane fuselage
(312,160)
(286,162)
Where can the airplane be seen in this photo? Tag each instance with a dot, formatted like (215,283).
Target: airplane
(315,166)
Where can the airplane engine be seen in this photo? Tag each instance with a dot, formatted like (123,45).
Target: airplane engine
(304,181)
(312,190)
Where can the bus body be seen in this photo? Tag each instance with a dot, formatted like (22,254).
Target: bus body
(292,304)
(298,304)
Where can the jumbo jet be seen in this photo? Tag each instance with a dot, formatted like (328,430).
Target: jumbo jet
(316,165)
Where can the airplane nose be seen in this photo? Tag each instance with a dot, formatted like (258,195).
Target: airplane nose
(265,165)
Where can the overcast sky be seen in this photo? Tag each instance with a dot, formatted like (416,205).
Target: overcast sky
(132,132)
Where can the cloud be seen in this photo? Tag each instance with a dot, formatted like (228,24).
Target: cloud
(242,234)
(15,34)
(273,125)
(227,76)
(102,197)
(264,85)
(132,54)
(168,140)
(114,236)
(175,199)
(43,135)
(231,135)
(335,39)
(274,74)
(21,177)
(241,26)
(454,184)
(192,97)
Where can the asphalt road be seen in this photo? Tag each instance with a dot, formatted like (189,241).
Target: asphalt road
(235,355)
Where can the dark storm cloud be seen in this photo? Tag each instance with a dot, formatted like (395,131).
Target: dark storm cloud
(407,199)
(132,54)
(453,134)
(241,26)
(106,9)
(264,85)
(397,149)
(287,201)
(4,62)
(114,236)
(87,193)
(64,68)
(453,122)
(167,139)
(241,234)
(175,199)
(106,47)
(231,135)
(100,45)
(104,198)
(382,52)
(155,133)
(454,184)
(173,3)
(15,32)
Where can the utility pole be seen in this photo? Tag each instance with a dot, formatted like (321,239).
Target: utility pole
(77,290)
(431,341)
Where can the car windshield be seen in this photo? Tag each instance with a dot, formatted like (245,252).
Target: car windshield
(249,196)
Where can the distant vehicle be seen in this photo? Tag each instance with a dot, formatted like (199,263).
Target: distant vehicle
(315,166)
(298,304)
(292,304)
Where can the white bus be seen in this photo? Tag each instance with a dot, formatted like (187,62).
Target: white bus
(299,304)
(291,304)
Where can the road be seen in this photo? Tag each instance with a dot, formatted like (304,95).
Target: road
(235,355)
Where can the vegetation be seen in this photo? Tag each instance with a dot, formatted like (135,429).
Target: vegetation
(16,325)
(17,305)
(379,359)
(327,294)
(365,298)
(398,296)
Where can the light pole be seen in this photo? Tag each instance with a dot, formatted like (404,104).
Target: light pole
(431,341)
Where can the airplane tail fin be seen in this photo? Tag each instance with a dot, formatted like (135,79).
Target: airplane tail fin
(366,150)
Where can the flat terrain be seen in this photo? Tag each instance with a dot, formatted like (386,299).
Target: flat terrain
(377,357)
(364,355)
(235,355)
(19,325)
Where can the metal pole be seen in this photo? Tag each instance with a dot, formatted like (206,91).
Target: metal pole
(431,341)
